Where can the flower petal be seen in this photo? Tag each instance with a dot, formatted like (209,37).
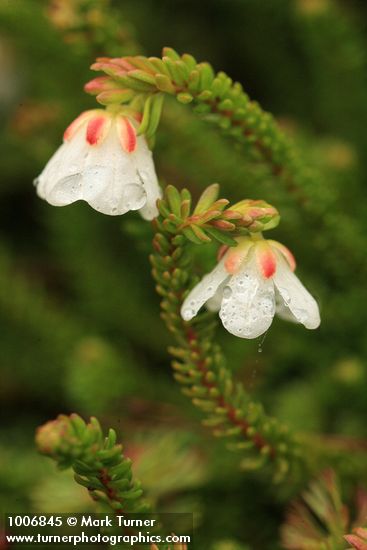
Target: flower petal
(60,182)
(127,134)
(203,291)
(112,184)
(97,128)
(266,259)
(286,253)
(145,168)
(214,303)
(72,129)
(282,310)
(248,303)
(104,176)
(236,255)
(299,301)
(111,180)
(66,191)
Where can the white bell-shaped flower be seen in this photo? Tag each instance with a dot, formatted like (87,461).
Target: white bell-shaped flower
(251,283)
(103,162)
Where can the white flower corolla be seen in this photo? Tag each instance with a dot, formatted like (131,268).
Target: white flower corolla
(103,162)
(251,283)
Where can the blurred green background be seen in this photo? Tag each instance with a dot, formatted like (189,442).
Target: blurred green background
(79,318)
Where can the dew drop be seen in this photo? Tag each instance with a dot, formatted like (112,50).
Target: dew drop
(67,190)
(134,196)
(260,346)
(227,292)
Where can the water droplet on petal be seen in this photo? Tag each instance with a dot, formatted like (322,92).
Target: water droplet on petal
(227,292)
(133,196)
(66,191)
(96,178)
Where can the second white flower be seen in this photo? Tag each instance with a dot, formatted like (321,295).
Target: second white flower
(251,283)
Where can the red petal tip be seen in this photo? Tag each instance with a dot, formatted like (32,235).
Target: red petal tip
(127,135)
(96,129)
(76,124)
(266,260)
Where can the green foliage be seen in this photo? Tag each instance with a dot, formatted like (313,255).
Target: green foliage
(211,219)
(97,461)
(215,98)
(73,282)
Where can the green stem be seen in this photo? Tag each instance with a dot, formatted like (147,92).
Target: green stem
(200,368)
(97,461)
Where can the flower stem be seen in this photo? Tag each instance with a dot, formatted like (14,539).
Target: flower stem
(200,368)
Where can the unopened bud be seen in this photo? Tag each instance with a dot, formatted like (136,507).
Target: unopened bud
(52,437)
(257,215)
(100,84)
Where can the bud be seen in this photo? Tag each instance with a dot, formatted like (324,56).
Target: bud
(257,215)
(100,84)
(117,96)
(54,437)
